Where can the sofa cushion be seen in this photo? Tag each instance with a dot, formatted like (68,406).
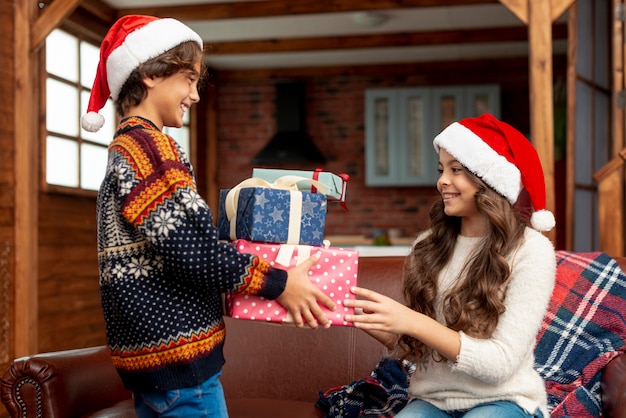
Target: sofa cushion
(122,409)
(582,331)
(271,408)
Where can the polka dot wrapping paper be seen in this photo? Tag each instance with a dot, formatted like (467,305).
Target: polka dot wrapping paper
(334,273)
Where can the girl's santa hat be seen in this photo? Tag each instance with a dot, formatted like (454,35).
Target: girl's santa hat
(131,41)
(503,158)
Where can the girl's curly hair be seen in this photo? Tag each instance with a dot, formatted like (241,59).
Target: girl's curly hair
(476,302)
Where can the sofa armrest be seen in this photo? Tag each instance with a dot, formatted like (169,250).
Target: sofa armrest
(67,383)
(614,388)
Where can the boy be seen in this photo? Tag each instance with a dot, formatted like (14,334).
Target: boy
(162,268)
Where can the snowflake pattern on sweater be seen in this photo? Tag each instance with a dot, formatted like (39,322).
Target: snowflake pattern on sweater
(162,267)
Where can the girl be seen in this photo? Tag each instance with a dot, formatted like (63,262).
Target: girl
(477,282)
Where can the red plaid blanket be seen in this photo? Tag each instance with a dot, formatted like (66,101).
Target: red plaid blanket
(582,331)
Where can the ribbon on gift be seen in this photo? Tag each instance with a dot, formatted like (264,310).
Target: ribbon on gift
(286,251)
(342,196)
(288,183)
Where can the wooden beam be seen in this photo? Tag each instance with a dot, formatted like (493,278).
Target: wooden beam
(518,7)
(559,7)
(50,18)
(568,224)
(249,9)
(501,66)
(541,97)
(26,185)
(619,83)
(212,160)
(538,14)
(502,34)
(99,9)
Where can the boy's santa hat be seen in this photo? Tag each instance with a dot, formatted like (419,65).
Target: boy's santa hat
(503,158)
(131,41)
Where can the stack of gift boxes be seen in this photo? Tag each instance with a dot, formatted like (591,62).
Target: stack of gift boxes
(280,216)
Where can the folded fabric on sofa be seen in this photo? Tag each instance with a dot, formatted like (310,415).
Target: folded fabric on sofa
(382,394)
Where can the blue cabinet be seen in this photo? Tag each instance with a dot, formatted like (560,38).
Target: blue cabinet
(400,125)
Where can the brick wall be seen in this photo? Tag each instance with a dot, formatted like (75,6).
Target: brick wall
(335,121)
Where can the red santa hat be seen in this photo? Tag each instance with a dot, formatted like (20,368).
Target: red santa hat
(131,41)
(503,158)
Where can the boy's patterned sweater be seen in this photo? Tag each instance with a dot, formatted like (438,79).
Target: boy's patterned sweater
(162,268)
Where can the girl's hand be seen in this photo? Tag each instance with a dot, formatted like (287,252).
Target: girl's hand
(380,313)
(301,297)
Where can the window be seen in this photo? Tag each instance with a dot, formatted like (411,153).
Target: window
(76,159)
(400,124)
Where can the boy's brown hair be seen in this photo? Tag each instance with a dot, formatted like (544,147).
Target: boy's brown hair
(182,57)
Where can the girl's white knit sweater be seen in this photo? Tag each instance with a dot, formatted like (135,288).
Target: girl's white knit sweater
(500,367)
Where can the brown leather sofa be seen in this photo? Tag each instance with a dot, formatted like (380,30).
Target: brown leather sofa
(271,371)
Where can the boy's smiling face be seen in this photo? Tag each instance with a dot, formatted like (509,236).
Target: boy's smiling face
(170,97)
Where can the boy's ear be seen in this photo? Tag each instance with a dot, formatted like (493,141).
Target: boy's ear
(149,81)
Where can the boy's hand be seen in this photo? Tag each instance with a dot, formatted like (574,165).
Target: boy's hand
(300,296)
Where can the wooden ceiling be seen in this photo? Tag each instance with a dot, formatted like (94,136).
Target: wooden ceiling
(306,33)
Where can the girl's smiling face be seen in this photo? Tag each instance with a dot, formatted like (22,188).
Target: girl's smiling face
(456,187)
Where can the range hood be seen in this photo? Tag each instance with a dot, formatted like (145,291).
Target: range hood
(290,144)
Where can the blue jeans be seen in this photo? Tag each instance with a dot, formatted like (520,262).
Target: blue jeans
(500,409)
(203,400)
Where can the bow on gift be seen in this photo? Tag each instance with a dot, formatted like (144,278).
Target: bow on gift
(341,187)
(288,183)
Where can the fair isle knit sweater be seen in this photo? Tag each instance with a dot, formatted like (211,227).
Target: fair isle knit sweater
(500,367)
(162,268)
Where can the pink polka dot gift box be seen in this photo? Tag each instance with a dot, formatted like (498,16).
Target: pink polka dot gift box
(334,273)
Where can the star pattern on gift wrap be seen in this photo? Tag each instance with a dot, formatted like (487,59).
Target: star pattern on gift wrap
(270,236)
(261,200)
(258,217)
(279,195)
(265,216)
(308,206)
(269,223)
(277,215)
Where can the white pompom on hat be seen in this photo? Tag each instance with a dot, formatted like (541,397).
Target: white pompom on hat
(503,158)
(131,41)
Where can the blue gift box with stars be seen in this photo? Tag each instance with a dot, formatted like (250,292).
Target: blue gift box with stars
(272,215)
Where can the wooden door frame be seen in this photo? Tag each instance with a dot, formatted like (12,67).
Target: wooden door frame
(31,31)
